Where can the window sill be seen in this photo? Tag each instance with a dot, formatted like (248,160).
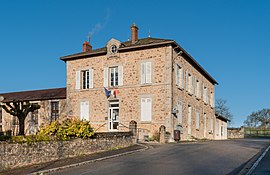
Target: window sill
(146,122)
(180,88)
(146,84)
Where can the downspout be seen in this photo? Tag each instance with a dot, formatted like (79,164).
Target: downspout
(171,90)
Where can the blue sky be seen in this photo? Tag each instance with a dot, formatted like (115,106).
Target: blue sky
(229,38)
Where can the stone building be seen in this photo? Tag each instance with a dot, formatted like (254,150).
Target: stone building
(150,81)
(52,106)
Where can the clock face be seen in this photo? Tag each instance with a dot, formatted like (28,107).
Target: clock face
(113,49)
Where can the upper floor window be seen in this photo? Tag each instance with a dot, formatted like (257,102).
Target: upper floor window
(189,83)
(54,111)
(146,72)
(180,76)
(198,89)
(205,94)
(113,76)
(84,79)
(212,99)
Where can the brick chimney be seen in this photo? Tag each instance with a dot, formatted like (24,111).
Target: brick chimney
(86,47)
(134,33)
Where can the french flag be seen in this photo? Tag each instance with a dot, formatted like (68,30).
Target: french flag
(107,92)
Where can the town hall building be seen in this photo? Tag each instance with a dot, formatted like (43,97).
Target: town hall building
(151,82)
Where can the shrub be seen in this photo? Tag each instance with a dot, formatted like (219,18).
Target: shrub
(67,129)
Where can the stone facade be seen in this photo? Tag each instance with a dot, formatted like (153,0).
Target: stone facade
(18,155)
(236,133)
(187,106)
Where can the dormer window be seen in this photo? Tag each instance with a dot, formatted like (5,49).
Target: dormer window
(112,48)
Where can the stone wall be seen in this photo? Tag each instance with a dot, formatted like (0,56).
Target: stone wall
(17,155)
(236,133)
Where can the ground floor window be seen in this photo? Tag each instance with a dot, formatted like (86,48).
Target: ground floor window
(146,109)
(54,111)
(113,115)
(33,121)
(84,110)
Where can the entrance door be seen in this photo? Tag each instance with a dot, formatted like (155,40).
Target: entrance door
(114,116)
(189,120)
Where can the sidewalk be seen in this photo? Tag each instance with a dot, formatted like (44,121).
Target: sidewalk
(76,161)
(263,167)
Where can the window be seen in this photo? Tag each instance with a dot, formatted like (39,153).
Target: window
(180,76)
(211,122)
(146,109)
(33,122)
(146,71)
(180,108)
(205,94)
(1,120)
(114,76)
(198,87)
(54,111)
(197,120)
(212,100)
(34,117)
(84,79)
(190,83)
(84,110)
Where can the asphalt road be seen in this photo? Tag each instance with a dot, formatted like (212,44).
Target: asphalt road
(202,158)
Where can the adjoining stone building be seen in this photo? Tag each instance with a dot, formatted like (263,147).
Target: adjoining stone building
(52,106)
(151,81)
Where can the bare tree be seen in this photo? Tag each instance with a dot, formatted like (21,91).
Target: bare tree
(258,119)
(20,109)
(221,108)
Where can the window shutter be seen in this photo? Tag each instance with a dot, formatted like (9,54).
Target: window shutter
(197,120)
(180,112)
(91,76)
(142,73)
(146,109)
(106,81)
(148,66)
(78,80)
(177,75)
(182,78)
(187,81)
(120,75)
(84,110)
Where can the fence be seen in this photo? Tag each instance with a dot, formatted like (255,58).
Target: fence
(257,132)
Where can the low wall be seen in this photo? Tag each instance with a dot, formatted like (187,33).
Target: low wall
(236,133)
(17,155)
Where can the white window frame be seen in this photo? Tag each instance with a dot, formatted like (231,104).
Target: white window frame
(84,79)
(115,72)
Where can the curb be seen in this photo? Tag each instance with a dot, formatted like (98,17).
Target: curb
(258,161)
(250,165)
(91,161)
